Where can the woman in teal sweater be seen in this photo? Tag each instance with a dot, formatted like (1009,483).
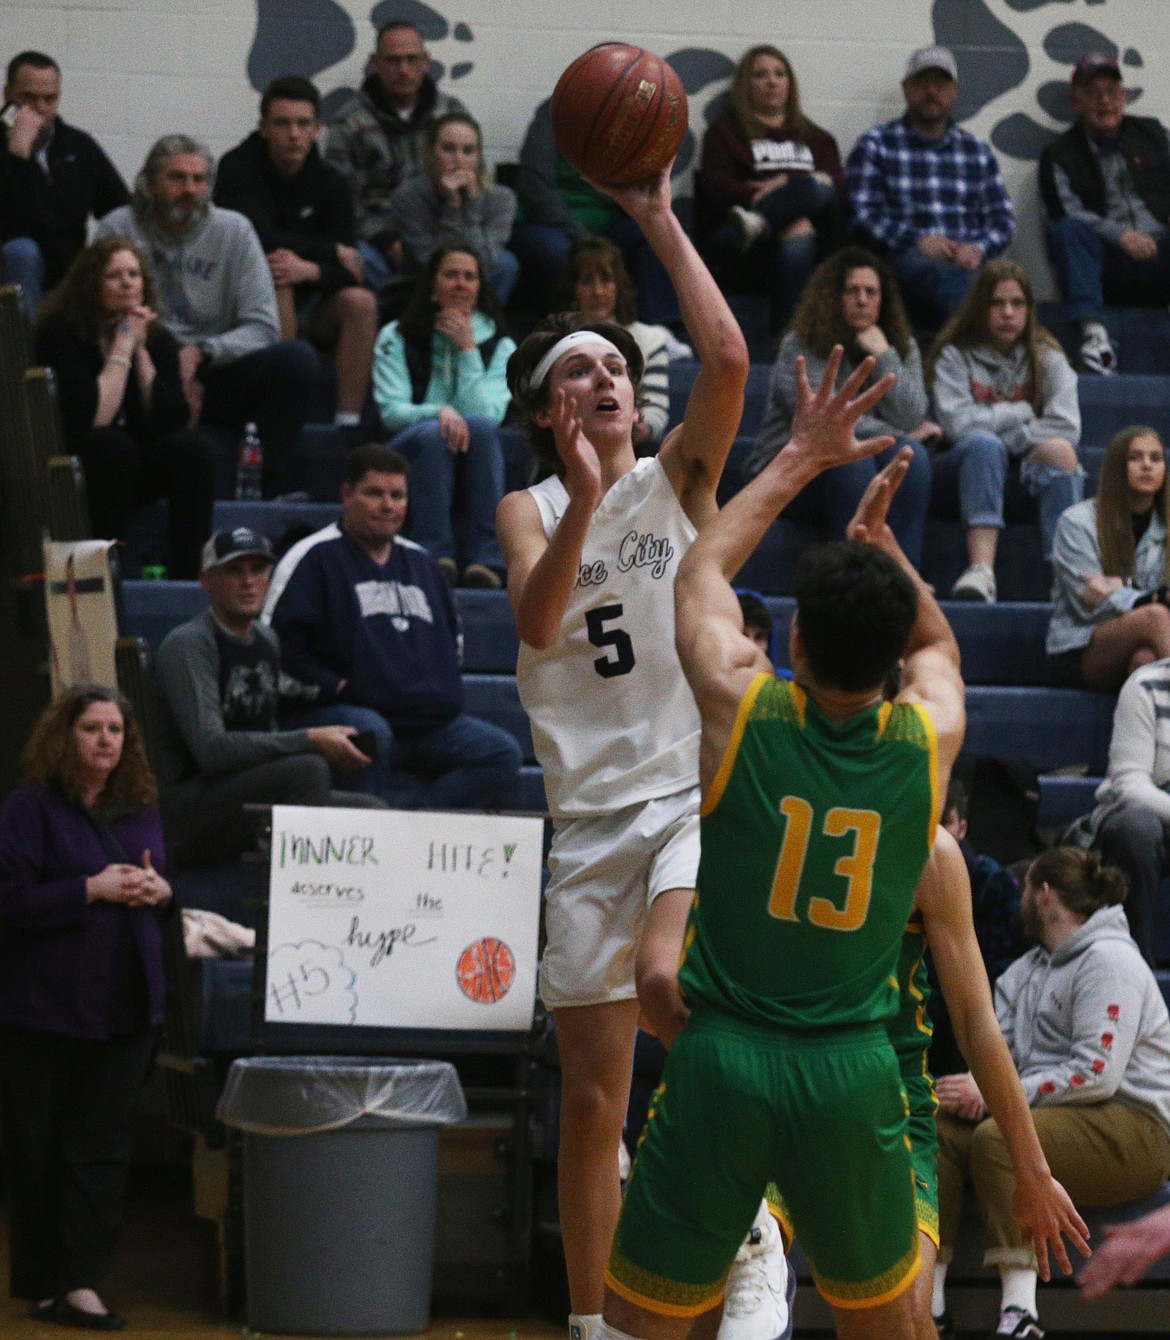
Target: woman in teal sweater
(439,383)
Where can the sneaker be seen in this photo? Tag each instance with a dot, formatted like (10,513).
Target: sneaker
(755,1303)
(749,225)
(945,1327)
(449,569)
(1097,352)
(1018,1324)
(482,577)
(977,583)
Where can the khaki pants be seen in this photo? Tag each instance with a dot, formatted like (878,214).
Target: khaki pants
(1102,1153)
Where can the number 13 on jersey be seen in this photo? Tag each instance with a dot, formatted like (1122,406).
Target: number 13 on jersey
(855,866)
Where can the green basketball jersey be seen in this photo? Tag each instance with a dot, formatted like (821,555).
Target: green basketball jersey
(910,1029)
(814,835)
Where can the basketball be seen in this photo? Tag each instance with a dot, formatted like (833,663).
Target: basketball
(485,971)
(619,113)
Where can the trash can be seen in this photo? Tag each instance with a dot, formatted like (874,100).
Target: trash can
(340,1184)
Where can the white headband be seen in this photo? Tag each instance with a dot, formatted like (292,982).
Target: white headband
(562,346)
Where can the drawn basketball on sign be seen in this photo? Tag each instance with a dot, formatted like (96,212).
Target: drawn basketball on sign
(486,970)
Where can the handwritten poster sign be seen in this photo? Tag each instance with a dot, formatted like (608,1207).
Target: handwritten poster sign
(384,918)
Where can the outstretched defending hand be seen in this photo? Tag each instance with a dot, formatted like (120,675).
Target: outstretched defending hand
(822,428)
(582,465)
(869,523)
(1045,1211)
(1129,1251)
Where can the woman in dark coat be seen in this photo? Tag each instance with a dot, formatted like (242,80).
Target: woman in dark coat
(122,399)
(81,995)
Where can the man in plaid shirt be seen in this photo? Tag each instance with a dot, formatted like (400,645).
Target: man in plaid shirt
(929,194)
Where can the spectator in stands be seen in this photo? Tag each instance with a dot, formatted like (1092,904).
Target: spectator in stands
(1129,823)
(1129,1250)
(597,283)
(376,139)
(770,187)
(454,200)
(217,299)
(121,398)
(302,211)
(441,389)
(1106,187)
(852,299)
(368,620)
(53,179)
(929,192)
(1006,399)
(558,207)
(220,688)
(1110,612)
(82,891)
(995,909)
(1087,1027)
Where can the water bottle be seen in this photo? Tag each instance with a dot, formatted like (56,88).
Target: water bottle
(250,467)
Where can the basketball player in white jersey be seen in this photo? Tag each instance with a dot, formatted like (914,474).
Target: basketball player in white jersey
(592,553)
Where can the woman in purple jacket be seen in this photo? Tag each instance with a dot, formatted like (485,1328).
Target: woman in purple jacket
(81,993)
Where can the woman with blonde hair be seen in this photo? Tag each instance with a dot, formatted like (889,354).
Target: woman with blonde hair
(1111,569)
(770,187)
(455,199)
(81,995)
(1006,398)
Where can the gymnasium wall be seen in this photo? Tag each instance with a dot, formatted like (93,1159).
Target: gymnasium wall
(134,71)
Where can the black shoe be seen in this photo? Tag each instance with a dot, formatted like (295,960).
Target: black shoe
(1016,1324)
(65,1314)
(945,1327)
(42,1311)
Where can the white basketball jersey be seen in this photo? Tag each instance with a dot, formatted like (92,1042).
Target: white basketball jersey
(613,720)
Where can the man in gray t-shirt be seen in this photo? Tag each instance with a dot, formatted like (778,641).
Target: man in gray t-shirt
(220,685)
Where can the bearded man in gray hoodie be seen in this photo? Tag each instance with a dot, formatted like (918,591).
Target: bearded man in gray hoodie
(217,299)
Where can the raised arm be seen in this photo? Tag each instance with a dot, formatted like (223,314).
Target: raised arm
(543,571)
(694,453)
(931,663)
(716,657)
(1041,1204)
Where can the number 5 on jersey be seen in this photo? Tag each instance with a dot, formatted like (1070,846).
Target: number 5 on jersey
(855,866)
(615,639)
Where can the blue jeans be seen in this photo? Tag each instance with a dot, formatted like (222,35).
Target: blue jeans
(24,265)
(932,289)
(832,498)
(453,498)
(468,764)
(1090,271)
(977,474)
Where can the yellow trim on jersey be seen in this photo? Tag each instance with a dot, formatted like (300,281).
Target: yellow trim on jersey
(927,1220)
(645,1287)
(872,1293)
(884,711)
(932,753)
(723,776)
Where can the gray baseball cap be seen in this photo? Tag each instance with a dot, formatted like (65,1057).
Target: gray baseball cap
(931,58)
(225,545)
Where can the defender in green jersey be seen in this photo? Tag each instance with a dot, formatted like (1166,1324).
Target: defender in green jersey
(821,805)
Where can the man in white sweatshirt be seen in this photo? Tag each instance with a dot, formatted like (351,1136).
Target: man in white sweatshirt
(217,299)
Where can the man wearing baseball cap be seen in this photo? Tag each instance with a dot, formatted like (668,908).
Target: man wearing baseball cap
(929,194)
(220,686)
(1106,187)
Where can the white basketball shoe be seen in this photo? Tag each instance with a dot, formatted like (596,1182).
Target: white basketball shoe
(755,1303)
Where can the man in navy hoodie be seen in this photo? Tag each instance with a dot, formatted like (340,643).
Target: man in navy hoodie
(368,619)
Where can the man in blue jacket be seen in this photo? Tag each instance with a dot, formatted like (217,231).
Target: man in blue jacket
(367,618)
